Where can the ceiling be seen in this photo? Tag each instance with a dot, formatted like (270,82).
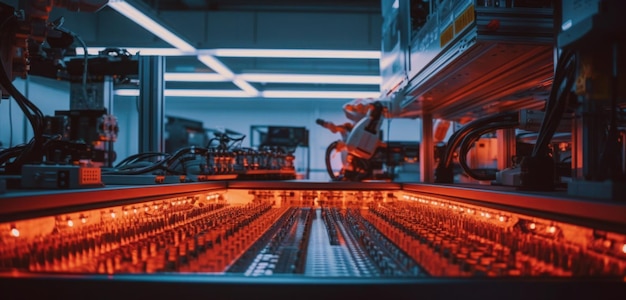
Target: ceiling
(252,24)
(371,6)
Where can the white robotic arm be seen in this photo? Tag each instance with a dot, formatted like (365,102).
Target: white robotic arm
(365,138)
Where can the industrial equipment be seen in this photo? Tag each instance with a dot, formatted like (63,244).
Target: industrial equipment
(203,235)
(540,228)
(181,132)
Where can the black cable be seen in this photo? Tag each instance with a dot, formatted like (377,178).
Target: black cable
(470,139)
(140,156)
(610,158)
(329,167)
(165,164)
(10,125)
(32,151)
(458,135)
(557,101)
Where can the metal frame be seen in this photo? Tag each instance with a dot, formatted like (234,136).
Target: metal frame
(151,103)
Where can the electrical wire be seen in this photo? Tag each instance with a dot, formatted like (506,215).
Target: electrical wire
(85,62)
(610,158)
(563,82)
(327,159)
(456,138)
(140,156)
(470,139)
(32,150)
(10,124)
(168,164)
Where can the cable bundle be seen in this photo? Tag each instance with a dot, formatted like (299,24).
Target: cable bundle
(464,138)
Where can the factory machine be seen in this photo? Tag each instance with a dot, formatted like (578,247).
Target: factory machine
(549,221)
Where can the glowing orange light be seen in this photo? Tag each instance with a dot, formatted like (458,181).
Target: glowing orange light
(606,244)
(487,215)
(146,208)
(15,232)
(70,223)
(113,215)
(135,211)
(501,219)
(532,226)
(125,212)
(156,207)
(552,229)
(83,220)
(624,248)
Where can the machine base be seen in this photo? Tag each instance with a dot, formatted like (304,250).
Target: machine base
(597,189)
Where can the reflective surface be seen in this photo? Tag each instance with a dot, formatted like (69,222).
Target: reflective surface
(349,233)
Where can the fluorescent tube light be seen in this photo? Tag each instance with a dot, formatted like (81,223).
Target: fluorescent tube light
(216,65)
(151,25)
(127,92)
(206,93)
(194,77)
(265,94)
(297,53)
(320,94)
(248,88)
(188,93)
(306,78)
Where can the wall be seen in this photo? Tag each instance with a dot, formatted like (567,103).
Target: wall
(240,114)
(231,113)
(47,94)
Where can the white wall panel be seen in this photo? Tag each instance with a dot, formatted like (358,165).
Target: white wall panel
(47,94)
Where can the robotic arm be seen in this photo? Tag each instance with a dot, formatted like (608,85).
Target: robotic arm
(364,138)
(360,140)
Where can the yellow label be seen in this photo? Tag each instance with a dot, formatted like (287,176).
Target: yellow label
(464,19)
(446,36)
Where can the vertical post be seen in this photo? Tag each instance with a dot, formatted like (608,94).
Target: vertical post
(151,103)
(108,95)
(427,152)
(506,147)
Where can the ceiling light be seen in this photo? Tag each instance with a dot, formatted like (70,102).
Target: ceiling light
(188,93)
(265,94)
(216,65)
(320,94)
(206,93)
(297,53)
(306,78)
(150,24)
(127,92)
(194,77)
(245,86)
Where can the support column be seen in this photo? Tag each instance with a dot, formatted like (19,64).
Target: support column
(151,103)
(506,147)
(427,152)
